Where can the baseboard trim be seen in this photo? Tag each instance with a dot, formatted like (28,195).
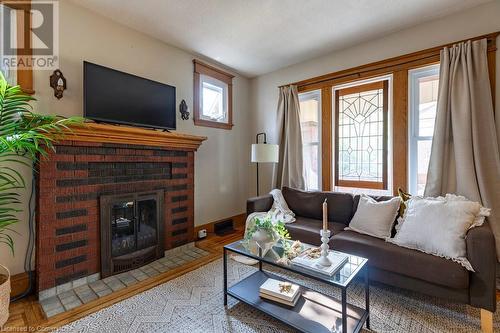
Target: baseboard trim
(19,283)
(238,220)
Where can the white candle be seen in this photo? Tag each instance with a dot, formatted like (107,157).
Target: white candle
(325,215)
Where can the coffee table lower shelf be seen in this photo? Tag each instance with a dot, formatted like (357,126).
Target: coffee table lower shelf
(313,313)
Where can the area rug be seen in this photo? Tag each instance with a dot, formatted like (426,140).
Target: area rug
(193,303)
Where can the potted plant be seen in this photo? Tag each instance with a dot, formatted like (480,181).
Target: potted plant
(24,137)
(266,234)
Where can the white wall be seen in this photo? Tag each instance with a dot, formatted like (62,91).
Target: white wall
(470,23)
(222,162)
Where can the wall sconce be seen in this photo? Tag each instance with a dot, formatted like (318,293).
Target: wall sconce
(58,83)
(184,110)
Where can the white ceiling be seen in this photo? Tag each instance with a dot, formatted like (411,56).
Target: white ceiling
(258,36)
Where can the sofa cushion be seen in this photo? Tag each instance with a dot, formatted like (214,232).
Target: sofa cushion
(307,230)
(391,257)
(375,218)
(308,204)
(377,198)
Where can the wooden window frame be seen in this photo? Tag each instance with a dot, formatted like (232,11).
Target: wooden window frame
(398,67)
(201,68)
(384,85)
(24,75)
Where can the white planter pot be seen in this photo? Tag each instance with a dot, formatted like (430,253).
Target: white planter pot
(264,240)
(4,296)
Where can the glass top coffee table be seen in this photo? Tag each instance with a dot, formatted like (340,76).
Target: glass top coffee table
(314,312)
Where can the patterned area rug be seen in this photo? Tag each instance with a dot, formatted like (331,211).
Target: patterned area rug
(193,303)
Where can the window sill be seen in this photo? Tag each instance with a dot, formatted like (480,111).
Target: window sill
(214,124)
(359,191)
(362,184)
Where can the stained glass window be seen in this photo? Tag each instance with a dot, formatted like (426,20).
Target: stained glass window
(361,136)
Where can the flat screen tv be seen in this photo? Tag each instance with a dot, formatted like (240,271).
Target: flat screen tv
(117,97)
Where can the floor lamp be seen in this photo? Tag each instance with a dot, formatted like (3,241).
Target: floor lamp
(263,153)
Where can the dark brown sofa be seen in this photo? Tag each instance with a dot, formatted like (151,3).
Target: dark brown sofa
(389,263)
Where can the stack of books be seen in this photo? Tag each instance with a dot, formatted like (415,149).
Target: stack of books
(338,259)
(280,291)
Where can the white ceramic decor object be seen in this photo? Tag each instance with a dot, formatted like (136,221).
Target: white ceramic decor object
(325,237)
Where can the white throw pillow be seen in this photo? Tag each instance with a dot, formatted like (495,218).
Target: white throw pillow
(438,226)
(375,218)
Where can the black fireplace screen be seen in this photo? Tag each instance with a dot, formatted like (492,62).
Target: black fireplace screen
(133,226)
(130,229)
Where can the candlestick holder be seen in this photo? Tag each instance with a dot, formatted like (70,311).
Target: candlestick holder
(325,238)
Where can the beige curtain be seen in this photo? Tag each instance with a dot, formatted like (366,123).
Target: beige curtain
(465,154)
(289,171)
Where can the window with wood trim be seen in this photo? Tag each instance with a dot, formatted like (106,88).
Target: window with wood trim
(213,98)
(361,136)
(424,84)
(310,123)
(400,150)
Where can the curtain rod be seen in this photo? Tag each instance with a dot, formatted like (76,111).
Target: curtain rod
(348,72)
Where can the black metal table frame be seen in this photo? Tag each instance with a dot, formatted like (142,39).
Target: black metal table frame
(343,288)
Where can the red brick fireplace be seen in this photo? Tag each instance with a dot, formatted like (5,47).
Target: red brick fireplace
(103,160)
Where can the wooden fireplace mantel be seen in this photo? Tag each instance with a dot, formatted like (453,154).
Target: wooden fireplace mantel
(93,132)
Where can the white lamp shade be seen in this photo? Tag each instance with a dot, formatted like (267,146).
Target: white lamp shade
(265,153)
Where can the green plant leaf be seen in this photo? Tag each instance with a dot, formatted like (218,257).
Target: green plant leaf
(24,138)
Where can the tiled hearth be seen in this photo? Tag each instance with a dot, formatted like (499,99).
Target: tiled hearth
(71,295)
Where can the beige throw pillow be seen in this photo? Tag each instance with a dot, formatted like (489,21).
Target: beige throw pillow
(375,218)
(438,226)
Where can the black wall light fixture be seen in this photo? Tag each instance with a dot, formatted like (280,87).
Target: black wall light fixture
(184,110)
(58,83)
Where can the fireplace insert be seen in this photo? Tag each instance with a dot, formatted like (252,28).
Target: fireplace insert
(131,230)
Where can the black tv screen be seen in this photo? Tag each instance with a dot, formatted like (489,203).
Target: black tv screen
(117,97)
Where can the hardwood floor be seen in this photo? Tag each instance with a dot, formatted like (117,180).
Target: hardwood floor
(26,315)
